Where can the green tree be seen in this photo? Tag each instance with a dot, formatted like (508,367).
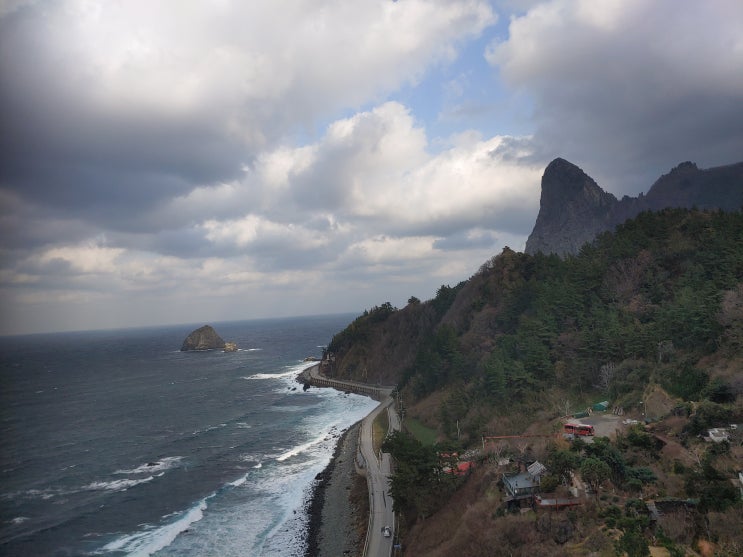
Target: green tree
(691,318)
(418,482)
(562,463)
(445,296)
(633,544)
(709,414)
(602,449)
(594,472)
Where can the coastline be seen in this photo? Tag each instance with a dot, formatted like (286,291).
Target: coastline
(332,524)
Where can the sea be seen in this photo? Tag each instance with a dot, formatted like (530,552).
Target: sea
(116,443)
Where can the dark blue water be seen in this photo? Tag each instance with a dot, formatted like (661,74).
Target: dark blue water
(116,443)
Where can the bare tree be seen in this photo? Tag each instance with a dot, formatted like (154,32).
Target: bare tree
(625,277)
(566,406)
(496,451)
(698,451)
(606,374)
(561,406)
(522,447)
(665,350)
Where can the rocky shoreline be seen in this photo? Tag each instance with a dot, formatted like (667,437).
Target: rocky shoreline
(336,517)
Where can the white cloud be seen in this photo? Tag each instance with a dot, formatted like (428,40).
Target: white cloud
(117,108)
(376,166)
(88,259)
(254,232)
(388,251)
(392,213)
(247,66)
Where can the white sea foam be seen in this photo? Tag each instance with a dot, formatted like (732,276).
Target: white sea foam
(290,372)
(264,513)
(158,465)
(280,375)
(287,408)
(151,540)
(239,481)
(302,448)
(45,494)
(19,520)
(119,485)
(208,429)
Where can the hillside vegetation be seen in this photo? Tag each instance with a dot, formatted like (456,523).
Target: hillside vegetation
(649,317)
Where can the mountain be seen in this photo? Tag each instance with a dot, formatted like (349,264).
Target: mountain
(648,317)
(574,209)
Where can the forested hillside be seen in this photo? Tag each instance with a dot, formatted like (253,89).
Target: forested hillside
(661,299)
(649,317)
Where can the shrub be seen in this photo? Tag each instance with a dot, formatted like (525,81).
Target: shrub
(633,543)
(686,383)
(709,414)
(549,483)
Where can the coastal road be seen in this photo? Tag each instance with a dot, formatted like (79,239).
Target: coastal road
(378,468)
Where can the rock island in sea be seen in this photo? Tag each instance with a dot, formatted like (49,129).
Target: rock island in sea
(206,338)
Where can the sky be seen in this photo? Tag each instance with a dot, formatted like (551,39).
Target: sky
(189,161)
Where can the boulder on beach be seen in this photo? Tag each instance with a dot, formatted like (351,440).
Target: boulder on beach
(203,338)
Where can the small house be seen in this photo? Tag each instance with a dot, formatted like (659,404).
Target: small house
(718,435)
(524,484)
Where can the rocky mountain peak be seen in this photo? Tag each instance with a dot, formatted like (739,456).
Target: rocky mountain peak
(684,167)
(573,208)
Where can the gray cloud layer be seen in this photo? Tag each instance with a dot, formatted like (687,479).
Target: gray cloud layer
(185,162)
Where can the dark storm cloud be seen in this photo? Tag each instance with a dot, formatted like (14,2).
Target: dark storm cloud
(105,165)
(630,89)
(186,243)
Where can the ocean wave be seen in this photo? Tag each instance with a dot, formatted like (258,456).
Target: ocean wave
(154,465)
(151,540)
(251,457)
(208,429)
(280,375)
(303,447)
(44,494)
(239,481)
(290,372)
(119,485)
(286,408)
